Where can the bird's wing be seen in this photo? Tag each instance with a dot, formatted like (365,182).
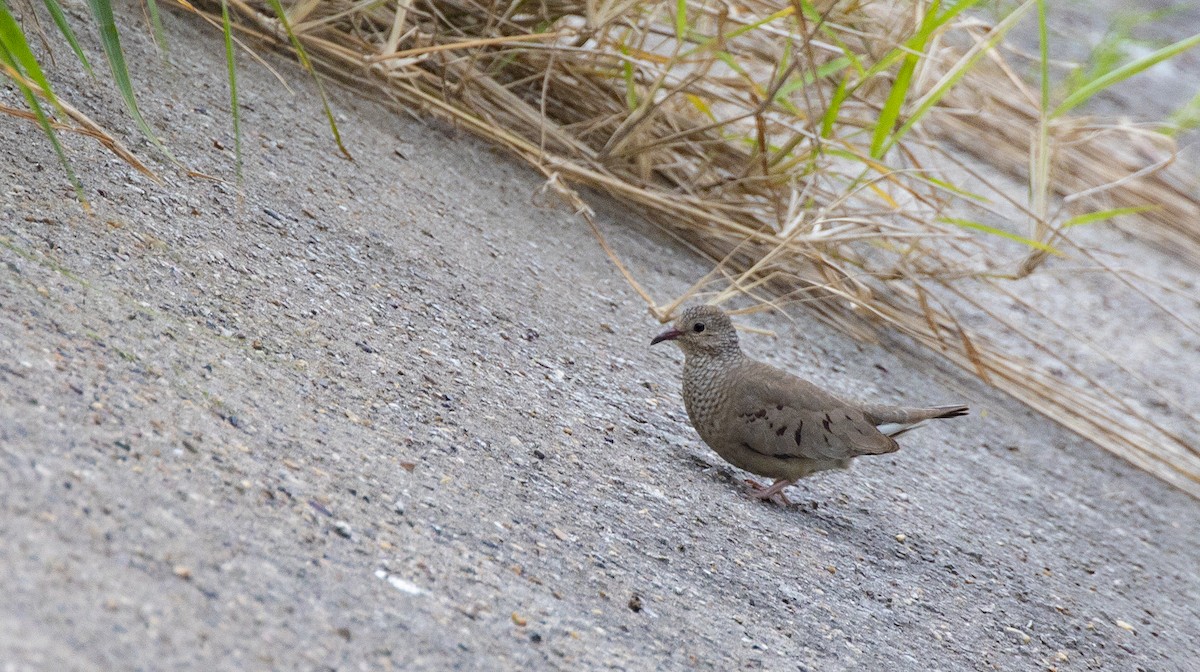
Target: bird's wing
(776,413)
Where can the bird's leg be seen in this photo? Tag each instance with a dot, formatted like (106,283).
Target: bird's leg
(774,490)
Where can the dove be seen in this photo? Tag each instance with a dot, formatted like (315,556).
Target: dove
(769,422)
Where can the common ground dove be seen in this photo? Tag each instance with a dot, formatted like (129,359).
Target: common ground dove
(769,422)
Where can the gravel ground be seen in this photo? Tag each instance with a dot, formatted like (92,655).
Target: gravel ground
(397,413)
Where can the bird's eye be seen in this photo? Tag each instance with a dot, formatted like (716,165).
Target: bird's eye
(698,327)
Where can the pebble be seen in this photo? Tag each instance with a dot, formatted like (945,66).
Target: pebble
(402,585)
(343,528)
(1018,635)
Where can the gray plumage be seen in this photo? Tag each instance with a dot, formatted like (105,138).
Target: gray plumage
(769,422)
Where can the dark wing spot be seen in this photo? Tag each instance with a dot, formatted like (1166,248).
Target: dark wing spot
(848,416)
(781,430)
(799,430)
(826,422)
(779,407)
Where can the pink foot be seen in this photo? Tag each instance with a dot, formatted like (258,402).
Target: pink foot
(769,492)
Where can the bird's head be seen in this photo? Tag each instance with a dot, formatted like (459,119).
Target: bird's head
(702,330)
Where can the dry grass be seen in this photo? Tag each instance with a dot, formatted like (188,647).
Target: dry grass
(752,131)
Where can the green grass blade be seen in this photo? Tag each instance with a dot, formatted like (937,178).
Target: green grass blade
(835,107)
(800,81)
(631,99)
(933,21)
(886,61)
(815,17)
(978,226)
(728,59)
(957,72)
(735,33)
(1117,45)
(1102,215)
(9,64)
(953,188)
(231,65)
(896,97)
(956,9)
(681,25)
(912,53)
(102,12)
(1124,72)
(160,36)
(19,56)
(307,65)
(60,20)
(891,107)
(1186,117)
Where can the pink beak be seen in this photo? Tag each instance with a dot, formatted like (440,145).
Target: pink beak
(668,335)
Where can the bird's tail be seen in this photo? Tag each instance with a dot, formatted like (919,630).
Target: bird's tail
(894,421)
(954,411)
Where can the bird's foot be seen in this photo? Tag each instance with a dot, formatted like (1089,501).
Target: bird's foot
(772,491)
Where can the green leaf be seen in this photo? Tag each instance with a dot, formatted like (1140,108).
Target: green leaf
(1099,216)
(307,65)
(631,98)
(977,226)
(1186,117)
(19,56)
(957,72)
(737,32)
(1117,45)
(60,20)
(891,107)
(801,81)
(1124,72)
(953,188)
(728,59)
(835,106)
(912,53)
(102,12)
(160,37)
(8,41)
(231,65)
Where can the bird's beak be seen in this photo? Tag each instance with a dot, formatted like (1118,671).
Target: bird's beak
(668,335)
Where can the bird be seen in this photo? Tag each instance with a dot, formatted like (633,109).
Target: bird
(769,422)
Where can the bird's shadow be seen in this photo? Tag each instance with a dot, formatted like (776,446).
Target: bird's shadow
(814,509)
